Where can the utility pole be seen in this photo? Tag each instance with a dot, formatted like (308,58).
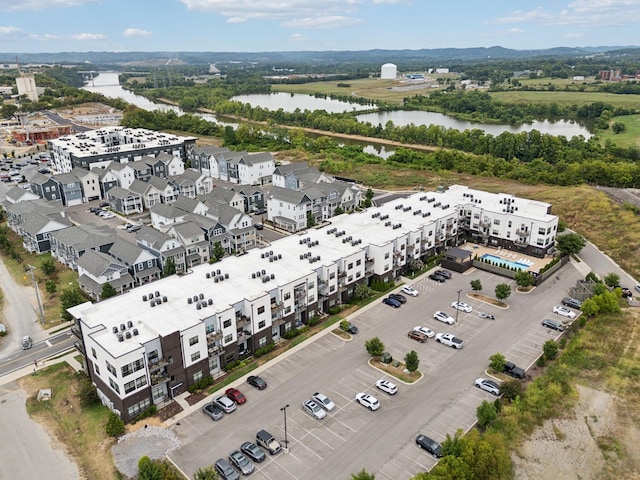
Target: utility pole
(30,270)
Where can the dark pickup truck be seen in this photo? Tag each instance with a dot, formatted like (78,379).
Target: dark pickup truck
(512,370)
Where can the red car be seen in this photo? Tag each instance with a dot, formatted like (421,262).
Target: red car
(235,395)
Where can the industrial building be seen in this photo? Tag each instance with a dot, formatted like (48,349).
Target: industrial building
(389,71)
(146,346)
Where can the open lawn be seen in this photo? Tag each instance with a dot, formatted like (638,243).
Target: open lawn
(567,98)
(630,137)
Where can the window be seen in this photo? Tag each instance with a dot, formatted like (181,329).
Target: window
(260,310)
(261,324)
(495,232)
(311,285)
(476,216)
(111,369)
(541,231)
(287,310)
(197,376)
(287,295)
(195,356)
(312,298)
(228,338)
(332,275)
(114,386)
(139,407)
(496,222)
(386,255)
(93,352)
(130,386)
(141,381)
(226,324)
(350,266)
(96,368)
(262,342)
(509,224)
(193,341)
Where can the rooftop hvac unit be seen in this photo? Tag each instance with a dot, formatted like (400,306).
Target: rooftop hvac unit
(271,259)
(272,276)
(189,300)
(264,271)
(215,280)
(221,278)
(253,274)
(157,293)
(129,324)
(164,299)
(135,332)
(208,275)
(201,295)
(144,298)
(115,330)
(210,301)
(195,298)
(226,275)
(302,256)
(120,338)
(204,304)
(280,255)
(258,273)
(128,334)
(150,296)
(218,272)
(122,327)
(262,254)
(152,303)
(198,306)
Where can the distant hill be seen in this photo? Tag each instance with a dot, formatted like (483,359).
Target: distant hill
(435,56)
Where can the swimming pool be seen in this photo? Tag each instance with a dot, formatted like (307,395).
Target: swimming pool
(504,262)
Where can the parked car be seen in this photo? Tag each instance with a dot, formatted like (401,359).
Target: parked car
(257,382)
(225,470)
(409,290)
(449,340)
(350,328)
(427,331)
(463,307)
(225,403)
(387,386)
(313,409)
(565,312)
(513,370)
(392,302)
(488,385)
(398,297)
(26,342)
(572,302)
(213,410)
(266,440)
(638,287)
(417,335)
(235,395)
(104,204)
(258,226)
(253,451)
(368,401)
(443,317)
(242,463)
(324,401)
(437,278)
(430,445)
(552,324)
(444,273)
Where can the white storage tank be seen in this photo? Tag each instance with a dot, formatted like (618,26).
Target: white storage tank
(389,71)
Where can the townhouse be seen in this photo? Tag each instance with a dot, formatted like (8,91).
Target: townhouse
(236,167)
(147,346)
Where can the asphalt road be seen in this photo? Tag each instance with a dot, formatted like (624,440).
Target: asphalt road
(352,437)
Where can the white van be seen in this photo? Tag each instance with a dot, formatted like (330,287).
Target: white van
(26,342)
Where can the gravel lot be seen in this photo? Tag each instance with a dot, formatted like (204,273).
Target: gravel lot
(154,442)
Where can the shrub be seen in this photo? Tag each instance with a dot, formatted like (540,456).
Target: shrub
(336,309)
(497,361)
(550,349)
(264,350)
(201,384)
(344,325)
(295,332)
(541,362)
(511,389)
(232,365)
(486,413)
(374,346)
(115,425)
(87,392)
(147,413)
(313,321)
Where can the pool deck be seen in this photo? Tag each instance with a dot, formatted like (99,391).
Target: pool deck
(535,264)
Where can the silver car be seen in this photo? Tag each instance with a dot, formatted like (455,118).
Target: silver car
(324,401)
(213,410)
(225,403)
(241,462)
(488,385)
(313,409)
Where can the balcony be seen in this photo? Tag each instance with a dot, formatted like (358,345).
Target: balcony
(76,331)
(521,242)
(299,294)
(277,305)
(522,232)
(215,350)
(486,223)
(243,335)
(301,303)
(368,260)
(157,364)
(159,378)
(212,336)
(242,320)
(277,322)
(396,254)
(80,347)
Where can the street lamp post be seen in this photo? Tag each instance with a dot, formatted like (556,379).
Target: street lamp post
(286,439)
(457,310)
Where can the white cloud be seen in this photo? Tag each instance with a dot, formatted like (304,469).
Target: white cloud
(321,22)
(14,5)
(43,37)
(88,36)
(298,38)
(575,35)
(601,13)
(10,31)
(502,33)
(236,20)
(136,32)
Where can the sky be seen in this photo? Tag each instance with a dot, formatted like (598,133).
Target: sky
(33,26)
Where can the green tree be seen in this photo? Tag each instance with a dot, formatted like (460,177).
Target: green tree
(570,243)
(48,266)
(486,413)
(149,470)
(108,291)
(411,361)
(511,389)
(87,392)
(8,110)
(497,361)
(361,292)
(612,280)
(206,473)
(550,349)
(590,307)
(115,425)
(169,267)
(344,325)
(618,127)
(374,346)
(363,475)
(50,286)
(524,279)
(476,285)
(503,290)
(592,277)
(338,210)
(70,297)
(218,252)
(311,220)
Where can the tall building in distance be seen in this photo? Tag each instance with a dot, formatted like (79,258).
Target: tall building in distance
(26,84)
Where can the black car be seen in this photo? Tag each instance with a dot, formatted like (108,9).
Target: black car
(430,445)
(398,297)
(392,302)
(258,226)
(444,273)
(253,451)
(104,204)
(437,278)
(257,382)
(351,328)
(571,302)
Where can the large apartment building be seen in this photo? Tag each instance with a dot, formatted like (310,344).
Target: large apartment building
(146,346)
(117,144)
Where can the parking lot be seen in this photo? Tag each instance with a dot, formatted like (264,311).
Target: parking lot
(383,441)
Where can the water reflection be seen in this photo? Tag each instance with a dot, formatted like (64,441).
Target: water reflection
(290,102)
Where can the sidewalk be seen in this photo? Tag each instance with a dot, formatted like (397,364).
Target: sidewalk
(33,370)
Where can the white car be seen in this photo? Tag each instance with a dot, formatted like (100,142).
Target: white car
(324,401)
(565,312)
(410,291)
(313,409)
(427,331)
(463,307)
(225,403)
(107,215)
(488,386)
(387,386)
(368,401)
(443,317)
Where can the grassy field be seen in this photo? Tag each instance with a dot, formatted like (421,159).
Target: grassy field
(567,98)
(630,137)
